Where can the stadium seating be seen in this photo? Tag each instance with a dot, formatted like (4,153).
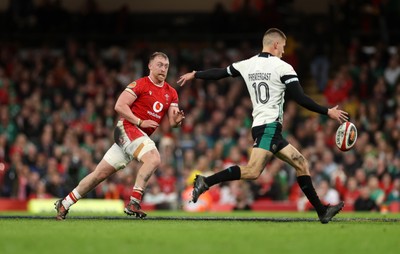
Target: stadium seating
(268,205)
(7,204)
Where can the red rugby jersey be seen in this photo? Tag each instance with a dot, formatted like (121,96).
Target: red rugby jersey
(152,101)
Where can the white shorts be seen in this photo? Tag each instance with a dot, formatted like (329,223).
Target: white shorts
(120,155)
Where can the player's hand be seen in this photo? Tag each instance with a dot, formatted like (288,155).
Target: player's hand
(186,77)
(149,124)
(338,114)
(179,116)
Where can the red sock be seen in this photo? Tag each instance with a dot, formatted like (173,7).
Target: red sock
(137,194)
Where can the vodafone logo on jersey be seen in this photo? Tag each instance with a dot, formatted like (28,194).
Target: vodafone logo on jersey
(157,106)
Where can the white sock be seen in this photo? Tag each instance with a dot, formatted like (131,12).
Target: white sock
(71,199)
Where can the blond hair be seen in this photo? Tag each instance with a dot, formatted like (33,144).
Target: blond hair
(271,35)
(155,54)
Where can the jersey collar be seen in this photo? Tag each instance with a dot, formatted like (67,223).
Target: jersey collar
(159,85)
(265,54)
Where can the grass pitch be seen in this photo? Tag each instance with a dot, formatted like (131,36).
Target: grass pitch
(179,232)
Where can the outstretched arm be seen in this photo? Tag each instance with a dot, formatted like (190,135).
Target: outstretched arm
(211,74)
(295,92)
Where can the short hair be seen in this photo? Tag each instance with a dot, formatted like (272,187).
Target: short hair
(155,54)
(271,33)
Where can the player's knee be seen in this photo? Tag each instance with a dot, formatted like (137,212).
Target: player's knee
(101,176)
(301,164)
(302,171)
(298,158)
(253,176)
(154,160)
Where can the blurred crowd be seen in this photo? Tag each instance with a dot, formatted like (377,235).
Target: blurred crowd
(57,118)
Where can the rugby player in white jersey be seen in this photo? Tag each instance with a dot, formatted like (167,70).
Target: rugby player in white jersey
(268,78)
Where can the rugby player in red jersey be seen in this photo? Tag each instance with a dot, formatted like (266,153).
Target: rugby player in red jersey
(142,106)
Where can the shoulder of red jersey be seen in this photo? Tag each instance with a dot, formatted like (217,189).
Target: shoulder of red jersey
(138,82)
(135,86)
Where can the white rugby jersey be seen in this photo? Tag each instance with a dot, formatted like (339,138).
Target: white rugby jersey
(266,77)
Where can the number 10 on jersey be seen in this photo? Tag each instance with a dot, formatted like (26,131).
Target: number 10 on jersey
(261,91)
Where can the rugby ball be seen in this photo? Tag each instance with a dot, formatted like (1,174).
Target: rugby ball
(346,136)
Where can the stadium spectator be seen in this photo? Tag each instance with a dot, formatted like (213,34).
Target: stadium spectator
(111,190)
(338,89)
(40,191)
(267,185)
(350,192)
(167,180)
(142,105)
(267,78)
(392,72)
(235,157)
(363,86)
(376,193)
(350,162)
(320,63)
(7,125)
(329,165)
(386,183)
(394,195)
(156,196)
(242,194)
(328,194)
(364,202)
(361,176)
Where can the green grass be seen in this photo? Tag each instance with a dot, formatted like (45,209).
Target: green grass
(77,235)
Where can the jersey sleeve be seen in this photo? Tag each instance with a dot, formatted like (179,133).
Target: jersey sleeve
(287,74)
(236,68)
(212,74)
(135,88)
(233,71)
(175,99)
(218,73)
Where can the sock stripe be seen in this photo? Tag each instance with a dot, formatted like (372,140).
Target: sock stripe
(137,194)
(138,189)
(72,196)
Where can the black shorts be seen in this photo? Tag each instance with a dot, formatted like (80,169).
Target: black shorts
(269,137)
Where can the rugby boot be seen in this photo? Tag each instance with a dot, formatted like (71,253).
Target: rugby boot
(133,208)
(199,187)
(61,211)
(330,212)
